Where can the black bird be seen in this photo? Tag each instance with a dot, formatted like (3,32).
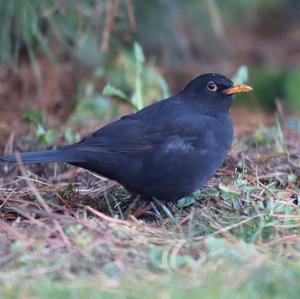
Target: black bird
(165,151)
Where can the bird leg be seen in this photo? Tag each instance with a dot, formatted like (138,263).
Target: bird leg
(163,206)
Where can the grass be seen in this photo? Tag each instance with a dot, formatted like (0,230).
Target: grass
(66,233)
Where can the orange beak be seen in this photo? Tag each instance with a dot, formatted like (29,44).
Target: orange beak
(238,88)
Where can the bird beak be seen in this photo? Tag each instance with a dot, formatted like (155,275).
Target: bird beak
(238,88)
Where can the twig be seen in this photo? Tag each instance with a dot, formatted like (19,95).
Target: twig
(42,201)
(31,185)
(141,211)
(131,16)
(105,217)
(110,18)
(216,19)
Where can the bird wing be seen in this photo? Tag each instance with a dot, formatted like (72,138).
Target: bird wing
(145,130)
(124,135)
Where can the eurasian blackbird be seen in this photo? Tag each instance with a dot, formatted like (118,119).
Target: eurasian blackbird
(164,151)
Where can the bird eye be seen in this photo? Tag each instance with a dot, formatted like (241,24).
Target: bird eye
(212,86)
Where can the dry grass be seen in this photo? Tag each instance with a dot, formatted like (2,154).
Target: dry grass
(240,236)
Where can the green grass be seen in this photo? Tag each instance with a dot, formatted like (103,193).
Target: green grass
(229,272)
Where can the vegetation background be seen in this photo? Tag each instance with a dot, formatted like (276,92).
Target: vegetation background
(68,67)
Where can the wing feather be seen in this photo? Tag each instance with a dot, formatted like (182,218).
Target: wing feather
(141,132)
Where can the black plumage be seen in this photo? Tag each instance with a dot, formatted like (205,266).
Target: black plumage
(165,151)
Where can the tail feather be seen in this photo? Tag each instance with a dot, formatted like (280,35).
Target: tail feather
(47,156)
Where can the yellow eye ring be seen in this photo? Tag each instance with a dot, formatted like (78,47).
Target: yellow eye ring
(212,86)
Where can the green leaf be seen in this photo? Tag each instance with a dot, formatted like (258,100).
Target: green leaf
(33,116)
(185,202)
(50,136)
(99,108)
(292,89)
(212,192)
(47,137)
(164,86)
(110,90)
(137,97)
(156,254)
(292,178)
(70,136)
(138,53)
(241,76)
(40,131)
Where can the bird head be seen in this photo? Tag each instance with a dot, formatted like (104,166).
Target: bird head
(214,92)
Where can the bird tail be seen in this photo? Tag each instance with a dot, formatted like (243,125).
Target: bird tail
(48,156)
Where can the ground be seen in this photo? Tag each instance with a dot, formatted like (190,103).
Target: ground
(68,233)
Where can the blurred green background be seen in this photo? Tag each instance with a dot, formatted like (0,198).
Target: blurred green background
(57,55)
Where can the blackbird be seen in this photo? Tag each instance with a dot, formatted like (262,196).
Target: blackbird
(165,151)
